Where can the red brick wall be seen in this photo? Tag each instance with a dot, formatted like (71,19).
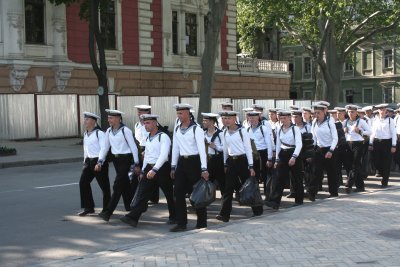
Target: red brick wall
(130,32)
(224,44)
(156,34)
(77,36)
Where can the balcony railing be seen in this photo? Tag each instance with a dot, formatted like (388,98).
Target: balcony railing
(263,66)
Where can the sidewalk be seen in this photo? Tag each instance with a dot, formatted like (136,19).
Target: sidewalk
(360,230)
(42,152)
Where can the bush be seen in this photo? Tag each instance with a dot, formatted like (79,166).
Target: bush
(7,151)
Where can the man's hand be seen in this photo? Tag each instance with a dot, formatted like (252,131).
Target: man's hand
(252,172)
(292,161)
(97,168)
(393,150)
(151,174)
(328,155)
(269,163)
(205,175)
(172,174)
(370,148)
(136,170)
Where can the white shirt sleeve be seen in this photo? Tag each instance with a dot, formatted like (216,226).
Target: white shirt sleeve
(165,145)
(201,146)
(106,146)
(132,145)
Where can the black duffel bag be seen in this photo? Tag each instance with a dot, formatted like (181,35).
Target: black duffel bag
(203,194)
(250,194)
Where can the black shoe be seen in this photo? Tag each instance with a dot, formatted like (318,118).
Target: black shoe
(291,195)
(172,221)
(129,220)
(384,186)
(201,226)
(298,203)
(105,216)
(153,201)
(85,212)
(311,197)
(333,195)
(348,190)
(178,228)
(221,218)
(257,214)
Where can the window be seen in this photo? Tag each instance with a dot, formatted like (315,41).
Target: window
(387,59)
(388,93)
(367,95)
(349,96)
(307,95)
(191,34)
(34,21)
(175,32)
(307,65)
(348,67)
(107,26)
(367,60)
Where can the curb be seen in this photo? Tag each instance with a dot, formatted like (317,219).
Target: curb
(37,162)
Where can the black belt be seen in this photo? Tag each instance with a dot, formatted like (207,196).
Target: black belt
(123,155)
(238,156)
(381,140)
(287,149)
(189,156)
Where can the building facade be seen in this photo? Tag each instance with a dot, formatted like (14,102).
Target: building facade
(371,76)
(153,48)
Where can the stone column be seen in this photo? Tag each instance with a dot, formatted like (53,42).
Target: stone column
(59,33)
(13,29)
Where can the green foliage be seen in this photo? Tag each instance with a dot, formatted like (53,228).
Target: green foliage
(305,20)
(7,151)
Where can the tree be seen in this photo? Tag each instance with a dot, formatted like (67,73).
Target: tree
(89,10)
(212,28)
(331,30)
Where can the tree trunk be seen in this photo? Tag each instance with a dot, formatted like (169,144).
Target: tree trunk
(95,41)
(213,27)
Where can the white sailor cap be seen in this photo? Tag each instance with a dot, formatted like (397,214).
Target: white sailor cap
(209,115)
(273,110)
(323,103)
(114,112)
(227,104)
(183,106)
(306,109)
(147,117)
(284,113)
(192,110)
(228,113)
(339,109)
(332,111)
(366,108)
(248,109)
(361,111)
(253,113)
(319,106)
(294,107)
(352,107)
(257,106)
(390,109)
(375,112)
(382,105)
(143,107)
(91,115)
(297,112)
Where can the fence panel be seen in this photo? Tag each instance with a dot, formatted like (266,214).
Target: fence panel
(216,104)
(163,106)
(194,101)
(240,104)
(90,103)
(127,105)
(266,103)
(17,116)
(57,116)
(303,103)
(284,104)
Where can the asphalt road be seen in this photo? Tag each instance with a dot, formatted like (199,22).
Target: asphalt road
(39,223)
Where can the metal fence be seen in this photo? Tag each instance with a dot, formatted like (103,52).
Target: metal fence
(30,116)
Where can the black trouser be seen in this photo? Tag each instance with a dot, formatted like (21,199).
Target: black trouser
(145,191)
(188,172)
(121,185)
(365,160)
(236,174)
(342,160)
(215,168)
(356,151)
(271,174)
(261,170)
(87,176)
(383,158)
(321,164)
(282,174)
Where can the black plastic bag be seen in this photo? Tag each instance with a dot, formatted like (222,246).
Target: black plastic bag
(250,193)
(203,194)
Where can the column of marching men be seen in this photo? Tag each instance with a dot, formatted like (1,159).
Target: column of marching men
(289,149)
